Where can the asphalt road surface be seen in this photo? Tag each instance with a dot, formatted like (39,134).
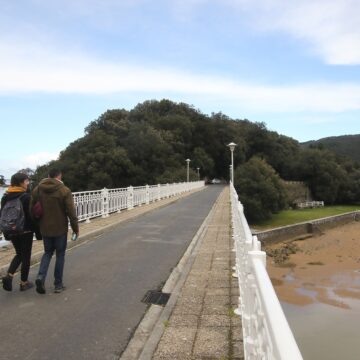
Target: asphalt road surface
(106,278)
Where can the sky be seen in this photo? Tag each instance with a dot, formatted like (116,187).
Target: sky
(291,64)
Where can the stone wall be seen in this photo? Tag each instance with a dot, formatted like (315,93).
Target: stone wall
(310,227)
(297,191)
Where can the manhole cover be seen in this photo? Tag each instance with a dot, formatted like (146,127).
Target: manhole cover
(156,297)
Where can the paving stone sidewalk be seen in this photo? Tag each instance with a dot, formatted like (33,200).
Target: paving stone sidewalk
(91,229)
(203,324)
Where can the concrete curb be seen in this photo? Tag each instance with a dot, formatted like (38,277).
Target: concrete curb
(149,331)
(36,257)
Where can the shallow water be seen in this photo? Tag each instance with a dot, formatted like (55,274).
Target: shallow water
(326,332)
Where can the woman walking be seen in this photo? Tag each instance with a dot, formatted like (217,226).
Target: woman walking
(23,241)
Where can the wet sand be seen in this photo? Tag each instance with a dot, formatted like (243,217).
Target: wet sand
(319,289)
(325,269)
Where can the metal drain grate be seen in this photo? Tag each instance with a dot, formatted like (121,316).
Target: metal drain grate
(156,297)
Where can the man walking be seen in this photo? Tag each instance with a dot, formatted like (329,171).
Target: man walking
(58,206)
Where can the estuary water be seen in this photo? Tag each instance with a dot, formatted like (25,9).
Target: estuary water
(2,190)
(325,332)
(319,289)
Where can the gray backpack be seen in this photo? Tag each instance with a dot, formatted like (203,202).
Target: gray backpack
(12,219)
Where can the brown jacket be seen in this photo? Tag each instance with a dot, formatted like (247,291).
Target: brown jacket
(58,206)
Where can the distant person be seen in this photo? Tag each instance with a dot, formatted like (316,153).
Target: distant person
(22,238)
(58,206)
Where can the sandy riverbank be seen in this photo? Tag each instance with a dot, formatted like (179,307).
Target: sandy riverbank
(325,269)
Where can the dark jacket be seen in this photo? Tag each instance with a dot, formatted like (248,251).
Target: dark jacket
(29,225)
(58,206)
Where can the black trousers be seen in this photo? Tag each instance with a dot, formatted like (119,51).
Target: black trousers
(23,245)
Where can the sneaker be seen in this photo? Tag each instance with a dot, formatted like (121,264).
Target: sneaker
(40,288)
(28,285)
(7,283)
(59,289)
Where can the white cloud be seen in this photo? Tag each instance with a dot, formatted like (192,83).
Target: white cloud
(8,167)
(28,68)
(330,27)
(36,159)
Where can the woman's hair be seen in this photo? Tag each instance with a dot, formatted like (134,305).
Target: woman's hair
(18,178)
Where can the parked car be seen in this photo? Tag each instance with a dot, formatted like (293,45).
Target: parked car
(216,181)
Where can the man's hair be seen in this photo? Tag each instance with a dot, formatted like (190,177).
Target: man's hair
(54,172)
(18,178)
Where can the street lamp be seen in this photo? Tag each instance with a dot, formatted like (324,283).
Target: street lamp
(198,170)
(187,169)
(232,147)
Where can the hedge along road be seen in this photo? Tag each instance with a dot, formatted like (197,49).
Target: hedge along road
(106,279)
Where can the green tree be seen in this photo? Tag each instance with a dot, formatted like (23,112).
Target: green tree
(260,189)
(200,159)
(323,174)
(150,143)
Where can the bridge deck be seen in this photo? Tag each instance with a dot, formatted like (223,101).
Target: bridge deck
(107,277)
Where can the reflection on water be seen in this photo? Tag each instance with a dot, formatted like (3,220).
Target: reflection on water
(324,331)
(306,292)
(289,277)
(346,278)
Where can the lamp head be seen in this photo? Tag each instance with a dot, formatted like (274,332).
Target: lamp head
(231,146)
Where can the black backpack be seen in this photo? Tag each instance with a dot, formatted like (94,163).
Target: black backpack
(12,219)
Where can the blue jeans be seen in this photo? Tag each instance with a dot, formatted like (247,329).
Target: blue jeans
(51,244)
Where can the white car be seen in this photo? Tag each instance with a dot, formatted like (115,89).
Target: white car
(216,181)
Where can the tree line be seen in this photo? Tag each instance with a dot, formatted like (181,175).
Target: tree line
(149,145)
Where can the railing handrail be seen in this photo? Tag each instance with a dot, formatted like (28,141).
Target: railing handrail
(102,202)
(266,332)
(285,345)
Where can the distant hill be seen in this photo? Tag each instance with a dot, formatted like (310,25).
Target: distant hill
(346,145)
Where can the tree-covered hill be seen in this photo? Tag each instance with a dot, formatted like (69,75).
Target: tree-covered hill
(346,145)
(150,143)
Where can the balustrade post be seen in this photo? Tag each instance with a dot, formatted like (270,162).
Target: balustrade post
(130,197)
(257,254)
(147,197)
(159,193)
(104,203)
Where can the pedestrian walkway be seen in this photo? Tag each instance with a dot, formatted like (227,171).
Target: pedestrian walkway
(88,230)
(202,323)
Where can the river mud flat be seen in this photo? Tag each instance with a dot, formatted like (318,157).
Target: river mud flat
(324,268)
(317,280)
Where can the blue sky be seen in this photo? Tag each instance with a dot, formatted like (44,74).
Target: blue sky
(291,64)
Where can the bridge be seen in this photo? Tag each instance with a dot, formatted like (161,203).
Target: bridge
(159,272)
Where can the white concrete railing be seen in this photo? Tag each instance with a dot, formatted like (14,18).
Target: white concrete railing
(95,203)
(91,204)
(310,204)
(266,332)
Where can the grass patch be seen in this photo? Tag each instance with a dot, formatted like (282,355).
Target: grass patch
(276,282)
(166,323)
(315,263)
(231,312)
(289,217)
(286,265)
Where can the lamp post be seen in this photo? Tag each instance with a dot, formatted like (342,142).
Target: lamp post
(187,169)
(198,171)
(232,147)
